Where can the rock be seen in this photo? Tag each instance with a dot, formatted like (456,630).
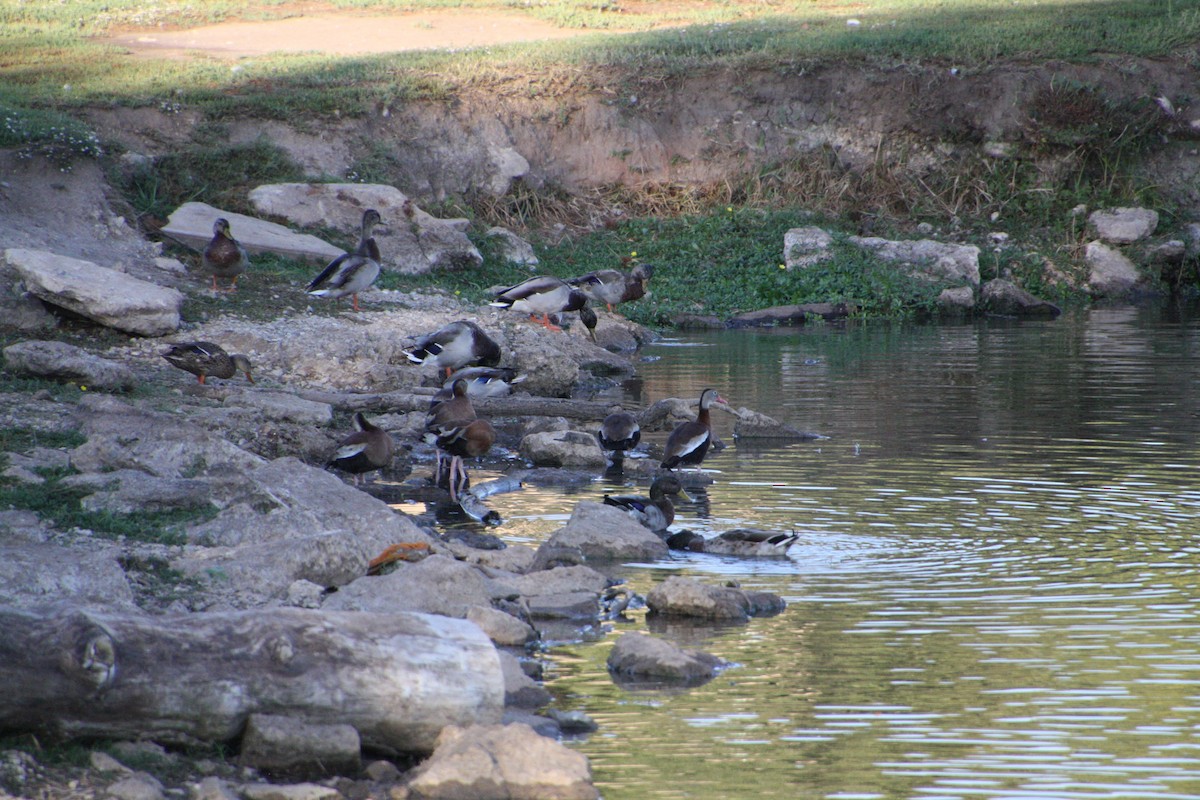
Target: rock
(104,295)
(1123,225)
(103,762)
(573,723)
(434,585)
(804,247)
(549,371)
(520,690)
(23,475)
(34,573)
(505,165)
(606,533)
(513,248)
(789,315)
(953,262)
(1004,297)
(637,655)
(410,240)
(213,788)
(1110,273)
(679,596)
(139,786)
(484,762)
(563,449)
(501,627)
(1169,253)
(753,425)
(287,746)
(294,791)
(192,224)
(695,322)
(130,491)
(560,580)
(582,607)
(957,300)
(19,526)
(62,361)
(304,594)
(122,437)
(283,406)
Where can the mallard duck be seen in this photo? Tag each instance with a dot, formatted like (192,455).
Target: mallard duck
(368,448)
(737,542)
(544,295)
(688,443)
(457,345)
(224,256)
(485,381)
(619,432)
(205,358)
(468,441)
(656,512)
(613,287)
(351,273)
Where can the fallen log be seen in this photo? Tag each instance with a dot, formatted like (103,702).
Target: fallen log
(184,679)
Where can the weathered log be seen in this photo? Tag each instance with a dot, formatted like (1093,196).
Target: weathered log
(486,407)
(397,678)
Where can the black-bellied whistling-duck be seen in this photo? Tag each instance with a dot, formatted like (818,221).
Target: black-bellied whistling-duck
(485,381)
(224,256)
(619,432)
(688,443)
(469,441)
(613,287)
(368,448)
(205,358)
(351,273)
(447,415)
(656,512)
(544,295)
(737,542)
(457,345)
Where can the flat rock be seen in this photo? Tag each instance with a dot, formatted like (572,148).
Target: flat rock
(434,585)
(805,246)
(62,361)
(111,298)
(130,491)
(687,597)
(563,449)
(192,224)
(282,406)
(1004,297)
(606,533)
(484,762)
(32,573)
(1110,272)
(956,262)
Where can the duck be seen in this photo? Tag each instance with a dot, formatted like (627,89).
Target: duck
(736,542)
(613,287)
(619,432)
(689,442)
(224,256)
(468,441)
(485,381)
(656,512)
(544,295)
(206,358)
(351,273)
(454,346)
(445,415)
(368,448)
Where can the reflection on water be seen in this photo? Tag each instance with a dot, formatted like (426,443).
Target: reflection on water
(996,590)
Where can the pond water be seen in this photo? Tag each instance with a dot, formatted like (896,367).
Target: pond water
(995,592)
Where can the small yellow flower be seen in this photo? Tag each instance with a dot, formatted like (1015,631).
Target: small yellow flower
(633,254)
(82,388)
(783,266)
(729,209)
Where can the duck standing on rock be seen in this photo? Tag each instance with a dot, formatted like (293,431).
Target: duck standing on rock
(206,358)
(368,448)
(544,295)
(689,442)
(613,287)
(656,512)
(619,432)
(351,273)
(454,346)
(224,256)
(736,542)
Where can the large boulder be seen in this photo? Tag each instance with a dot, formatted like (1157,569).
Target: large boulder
(192,224)
(66,362)
(804,247)
(433,585)
(411,241)
(111,298)
(1110,272)
(641,657)
(32,573)
(562,449)
(1005,297)
(688,597)
(482,762)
